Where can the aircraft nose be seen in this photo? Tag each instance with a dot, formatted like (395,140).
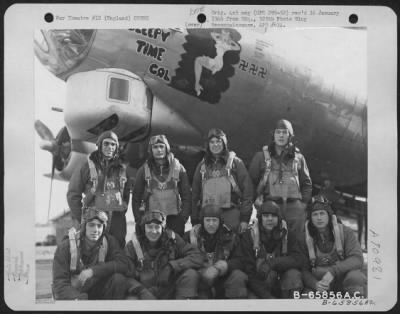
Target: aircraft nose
(62,50)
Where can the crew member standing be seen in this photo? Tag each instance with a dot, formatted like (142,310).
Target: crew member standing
(102,179)
(221,179)
(162,183)
(280,173)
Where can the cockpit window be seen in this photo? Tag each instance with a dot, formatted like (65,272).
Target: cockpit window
(62,49)
(119,89)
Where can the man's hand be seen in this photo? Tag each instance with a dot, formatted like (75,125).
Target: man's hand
(222,267)
(243,227)
(210,274)
(165,275)
(321,286)
(320,271)
(85,275)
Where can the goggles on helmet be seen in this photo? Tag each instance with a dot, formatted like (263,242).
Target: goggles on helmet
(157,139)
(92,213)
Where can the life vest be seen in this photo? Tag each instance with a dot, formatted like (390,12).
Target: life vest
(281,180)
(110,198)
(74,245)
(138,248)
(255,235)
(164,196)
(217,185)
(338,246)
(194,236)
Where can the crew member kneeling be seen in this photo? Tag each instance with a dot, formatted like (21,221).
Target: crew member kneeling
(270,256)
(163,265)
(90,264)
(333,253)
(216,241)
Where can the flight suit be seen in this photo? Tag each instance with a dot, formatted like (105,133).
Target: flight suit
(171,250)
(162,192)
(216,250)
(280,276)
(109,191)
(289,183)
(235,202)
(345,267)
(108,281)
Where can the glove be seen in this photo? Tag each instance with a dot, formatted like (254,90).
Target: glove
(165,275)
(222,267)
(210,274)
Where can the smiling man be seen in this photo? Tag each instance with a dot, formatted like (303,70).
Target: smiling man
(102,182)
(162,263)
(162,183)
(89,264)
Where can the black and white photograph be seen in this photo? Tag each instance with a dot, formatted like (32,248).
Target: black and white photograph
(230,154)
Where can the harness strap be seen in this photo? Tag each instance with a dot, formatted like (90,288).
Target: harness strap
(310,246)
(338,234)
(147,177)
(103,250)
(138,249)
(171,235)
(175,178)
(93,174)
(193,234)
(122,178)
(285,238)
(203,171)
(264,179)
(73,237)
(255,235)
(228,167)
(295,172)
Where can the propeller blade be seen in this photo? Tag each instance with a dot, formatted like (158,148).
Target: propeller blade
(43,131)
(53,165)
(48,141)
(51,147)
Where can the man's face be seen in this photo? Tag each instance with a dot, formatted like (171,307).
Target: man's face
(216,145)
(153,231)
(269,221)
(211,224)
(159,150)
(108,148)
(94,229)
(320,219)
(281,137)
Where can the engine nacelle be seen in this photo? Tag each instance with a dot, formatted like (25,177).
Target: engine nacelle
(108,99)
(69,154)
